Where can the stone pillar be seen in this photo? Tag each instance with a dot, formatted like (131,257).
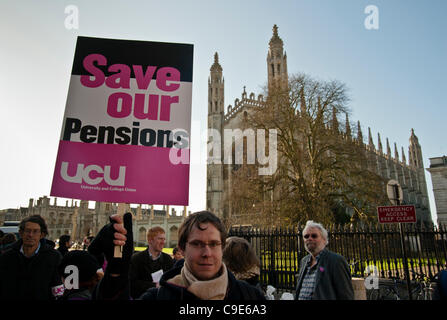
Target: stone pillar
(74,222)
(139,213)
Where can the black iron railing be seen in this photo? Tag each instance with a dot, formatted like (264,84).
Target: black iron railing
(367,249)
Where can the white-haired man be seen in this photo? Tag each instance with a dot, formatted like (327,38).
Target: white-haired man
(324,275)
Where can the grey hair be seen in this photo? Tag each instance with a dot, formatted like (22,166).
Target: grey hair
(313,224)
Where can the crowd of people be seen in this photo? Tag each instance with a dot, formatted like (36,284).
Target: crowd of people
(206,265)
(6,240)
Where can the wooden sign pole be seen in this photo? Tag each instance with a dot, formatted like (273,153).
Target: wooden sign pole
(118,253)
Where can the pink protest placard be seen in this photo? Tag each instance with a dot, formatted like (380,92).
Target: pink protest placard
(126,130)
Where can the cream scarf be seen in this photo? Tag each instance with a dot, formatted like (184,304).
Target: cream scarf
(214,289)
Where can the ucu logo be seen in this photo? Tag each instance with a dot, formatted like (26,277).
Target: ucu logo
(83,174)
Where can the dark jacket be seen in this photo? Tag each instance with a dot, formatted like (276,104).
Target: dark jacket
(62,250)
(77,294)
(5,247)
(333,281)
(140,270)
(254,281)
(237,290)
(179,263)
(29,278)
(440,292)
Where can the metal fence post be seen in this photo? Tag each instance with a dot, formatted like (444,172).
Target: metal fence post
(405,262)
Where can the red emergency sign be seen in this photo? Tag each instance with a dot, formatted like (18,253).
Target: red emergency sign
(397,214)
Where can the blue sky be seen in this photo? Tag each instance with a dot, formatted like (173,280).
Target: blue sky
(395,75)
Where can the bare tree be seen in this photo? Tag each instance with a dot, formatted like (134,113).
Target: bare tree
(321,168)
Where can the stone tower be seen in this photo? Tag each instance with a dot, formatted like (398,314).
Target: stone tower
(277,62)
(438,171)
(214,188)
(415,151)
(415,161)
(103,210)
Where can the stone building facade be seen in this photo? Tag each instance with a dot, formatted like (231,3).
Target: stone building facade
(149,218)
(74,218)
(79,221)
(409,174)
(438,172)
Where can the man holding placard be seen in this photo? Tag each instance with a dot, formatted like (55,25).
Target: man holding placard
(203,276)
(126,128)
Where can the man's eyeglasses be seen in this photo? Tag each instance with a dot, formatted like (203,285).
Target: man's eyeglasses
(31,231)
(312,235)
(200,244)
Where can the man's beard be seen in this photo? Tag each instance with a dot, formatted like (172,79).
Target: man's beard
(312,248)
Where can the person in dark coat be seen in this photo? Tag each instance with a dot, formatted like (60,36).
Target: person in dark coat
(236,290)
(179,260)
(7,241)
(28,271)
(144,264)
(64,244)
(203,276)
(323,275)
(81,273)
(177,254)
